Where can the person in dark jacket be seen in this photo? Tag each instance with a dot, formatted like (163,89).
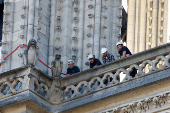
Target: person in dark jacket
(72,69)
(125,52)
(94,62)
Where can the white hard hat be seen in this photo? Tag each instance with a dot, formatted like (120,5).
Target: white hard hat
(70,62)
(103,50)
(90,56)
(119,43)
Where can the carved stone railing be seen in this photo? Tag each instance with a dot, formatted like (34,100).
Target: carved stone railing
(23,79)
(62,92)
(93,80)
(11,84)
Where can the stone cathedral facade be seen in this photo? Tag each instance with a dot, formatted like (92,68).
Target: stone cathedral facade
(148,24)
(71,28)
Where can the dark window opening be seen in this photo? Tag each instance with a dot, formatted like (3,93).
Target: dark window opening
(124,26)
(1,17)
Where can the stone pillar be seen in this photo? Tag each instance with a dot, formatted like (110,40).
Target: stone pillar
(31,11)
(131,25)
(67,23)
(97,28)
(7,35)
(154,23)
(137,26)
(88,31)
(52,35)
(148,32)
(80,35)
(115,29)
(142,35)
(165,22)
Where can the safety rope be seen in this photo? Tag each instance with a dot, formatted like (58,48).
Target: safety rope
(38,59)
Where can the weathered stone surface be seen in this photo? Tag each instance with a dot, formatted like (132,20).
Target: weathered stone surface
(95,86)
(38,20)
(95,24)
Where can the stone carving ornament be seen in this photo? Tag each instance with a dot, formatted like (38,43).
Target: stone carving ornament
(56,66)
(31,53)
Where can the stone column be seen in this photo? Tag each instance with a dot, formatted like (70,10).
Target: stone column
(97,28)
(137,26)
(154,23)
(115,29)
(147,23)
(165,22)
(52,36)
(80,35)
(142,26)
(7,35)
(31,10)
(131,25)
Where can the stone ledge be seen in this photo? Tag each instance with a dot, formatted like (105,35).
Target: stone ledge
(34,79)
(25,96)
(112,91)
(136,58)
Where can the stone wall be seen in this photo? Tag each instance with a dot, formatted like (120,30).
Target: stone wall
(146,91)
(24,20)
(72,28)
(84,27)
(147,24)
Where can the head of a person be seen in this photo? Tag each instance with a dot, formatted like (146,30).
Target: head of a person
(91,58)
(104,51)
(70,64)
(119,45)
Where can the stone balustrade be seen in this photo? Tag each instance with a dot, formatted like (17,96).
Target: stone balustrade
(93,80)
(20,80)
(11,84)
(88,85)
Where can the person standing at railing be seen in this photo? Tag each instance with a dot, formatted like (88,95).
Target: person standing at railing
(107,57)
(125,52)
(94,62)
(72,69)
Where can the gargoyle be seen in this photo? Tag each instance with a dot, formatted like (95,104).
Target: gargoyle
(31,53)
(56,66)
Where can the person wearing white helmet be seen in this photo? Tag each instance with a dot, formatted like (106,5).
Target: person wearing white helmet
(123,50)
(94,62)
(107,57)
(72,69)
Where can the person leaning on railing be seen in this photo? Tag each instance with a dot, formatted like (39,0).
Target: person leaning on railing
(125,52)
(107,57)
(72,69)
(94,62)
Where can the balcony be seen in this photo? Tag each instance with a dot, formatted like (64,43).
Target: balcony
(95,86)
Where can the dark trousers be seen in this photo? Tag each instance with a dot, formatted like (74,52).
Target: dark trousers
(133,73)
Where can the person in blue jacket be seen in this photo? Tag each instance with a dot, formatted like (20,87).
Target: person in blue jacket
(72,69)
